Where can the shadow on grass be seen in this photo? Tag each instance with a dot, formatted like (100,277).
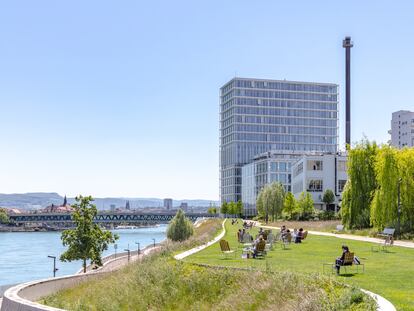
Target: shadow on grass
(347,275)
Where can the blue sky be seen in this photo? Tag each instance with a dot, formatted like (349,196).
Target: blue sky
(121,98)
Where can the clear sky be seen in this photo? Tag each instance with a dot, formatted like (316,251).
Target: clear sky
(120,98)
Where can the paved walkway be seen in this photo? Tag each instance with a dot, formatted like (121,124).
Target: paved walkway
(350,237)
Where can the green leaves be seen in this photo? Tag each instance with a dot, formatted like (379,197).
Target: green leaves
(180,228)
(328,197)
(270,201)
(87,240)
(4,218)
(371,193)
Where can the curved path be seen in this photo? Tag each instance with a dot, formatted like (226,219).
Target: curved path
(383,304)
(348,236)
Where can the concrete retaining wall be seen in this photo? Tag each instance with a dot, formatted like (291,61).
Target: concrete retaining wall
(22,297)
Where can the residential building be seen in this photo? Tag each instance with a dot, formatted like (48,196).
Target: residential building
(257,116)
(402,129)
(168,204)
(317,173)
(272,166)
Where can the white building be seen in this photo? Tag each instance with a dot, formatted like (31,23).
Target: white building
(272,166)
(318,173)
(402,129)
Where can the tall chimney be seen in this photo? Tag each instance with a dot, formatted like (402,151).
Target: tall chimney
(347,44)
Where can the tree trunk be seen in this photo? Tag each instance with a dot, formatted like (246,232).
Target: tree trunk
(84,266)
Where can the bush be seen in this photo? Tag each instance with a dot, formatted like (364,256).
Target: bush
(328,215)
(180,228)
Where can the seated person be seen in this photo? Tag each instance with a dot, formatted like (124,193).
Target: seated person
(282,232)
(295,233)
(340,260)
(299,236)
(258,241)
(287,234)
(239,235)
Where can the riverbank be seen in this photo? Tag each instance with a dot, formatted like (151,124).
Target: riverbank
(11,228)
(24,254)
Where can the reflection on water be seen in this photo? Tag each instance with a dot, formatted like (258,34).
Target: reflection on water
(23,255)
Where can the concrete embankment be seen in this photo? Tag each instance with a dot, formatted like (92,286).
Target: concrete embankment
(23,297)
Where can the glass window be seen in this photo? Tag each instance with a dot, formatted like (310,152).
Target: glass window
(315,185)
(341,185)
(315,165)
(342,166)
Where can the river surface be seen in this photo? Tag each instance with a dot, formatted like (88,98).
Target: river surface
(23,255)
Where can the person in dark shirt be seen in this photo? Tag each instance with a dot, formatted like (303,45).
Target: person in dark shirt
(340,260)
(299,236)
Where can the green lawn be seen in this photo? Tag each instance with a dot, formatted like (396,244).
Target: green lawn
(390,274)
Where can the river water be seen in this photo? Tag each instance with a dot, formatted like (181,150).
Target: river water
(23,255)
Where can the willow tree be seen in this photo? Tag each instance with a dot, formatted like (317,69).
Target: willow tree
(270,201)
(406,165)
(289,205)
(359,189)
(384,207)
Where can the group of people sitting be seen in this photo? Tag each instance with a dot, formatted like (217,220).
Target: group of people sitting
(297,235)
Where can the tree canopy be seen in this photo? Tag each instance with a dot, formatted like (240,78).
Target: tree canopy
(305,205)
(290,205)
(328,197)
(4,218)
(375,174)
(180,227)
(270,201)
(87,240)
(359,189)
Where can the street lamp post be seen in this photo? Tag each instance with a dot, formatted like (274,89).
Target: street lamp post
(129,252)
(399,207)
(139,251)
(54,265)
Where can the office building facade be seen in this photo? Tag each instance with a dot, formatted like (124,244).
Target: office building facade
(272,166)
(402,129)
(257,116)
(316,173)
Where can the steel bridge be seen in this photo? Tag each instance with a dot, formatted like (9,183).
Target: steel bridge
(104,217)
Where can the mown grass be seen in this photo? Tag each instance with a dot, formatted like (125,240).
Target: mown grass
(161,283)
(389,274)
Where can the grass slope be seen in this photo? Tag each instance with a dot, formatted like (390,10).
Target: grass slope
(389,274)
(162,283)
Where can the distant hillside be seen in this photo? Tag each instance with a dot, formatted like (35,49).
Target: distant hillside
(38,200)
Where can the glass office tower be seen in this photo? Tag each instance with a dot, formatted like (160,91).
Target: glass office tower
(258,116)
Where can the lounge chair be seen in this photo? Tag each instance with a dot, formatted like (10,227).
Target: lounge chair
(286,240)
(348,261)
(305,234)
(225,249)
(269,242)
(261,249)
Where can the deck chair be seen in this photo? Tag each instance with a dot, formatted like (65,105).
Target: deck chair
(269,242)
(286,240)
(305,234)
(349,261)
(261,249)
(225,249)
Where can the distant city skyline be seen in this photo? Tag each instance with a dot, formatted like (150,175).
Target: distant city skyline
(122,100)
